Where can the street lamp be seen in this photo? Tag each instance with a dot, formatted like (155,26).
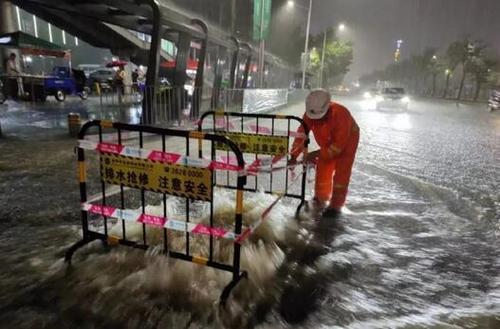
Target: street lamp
(342,27)
(306,53)
(291,4)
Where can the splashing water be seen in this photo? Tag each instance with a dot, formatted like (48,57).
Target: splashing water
(126,286)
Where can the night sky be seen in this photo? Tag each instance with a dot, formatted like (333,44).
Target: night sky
(375,25)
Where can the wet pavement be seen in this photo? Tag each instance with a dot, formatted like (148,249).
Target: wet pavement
(417,247)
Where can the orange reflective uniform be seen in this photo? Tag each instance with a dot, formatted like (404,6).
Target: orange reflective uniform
(337,134)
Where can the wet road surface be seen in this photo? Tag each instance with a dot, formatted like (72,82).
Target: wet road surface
(417,247)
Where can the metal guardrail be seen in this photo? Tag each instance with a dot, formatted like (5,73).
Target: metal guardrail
(156,175)
(256,134)
(173,105)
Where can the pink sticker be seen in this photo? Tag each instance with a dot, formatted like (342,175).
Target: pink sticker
(214,165)
(229,159)
(244,235)
(201,229)
(254,167)
(277,158)
(223,123)
(218,232)
(110,148)
(164,157)
(102,210)
(261,130)
(152,220)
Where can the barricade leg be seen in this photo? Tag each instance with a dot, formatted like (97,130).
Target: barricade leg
(227,290)
(75,247)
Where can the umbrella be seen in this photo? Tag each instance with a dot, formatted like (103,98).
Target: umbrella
(116,63)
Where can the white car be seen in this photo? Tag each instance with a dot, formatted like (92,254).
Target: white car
(392,98)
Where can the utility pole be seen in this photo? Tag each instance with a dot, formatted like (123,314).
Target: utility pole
(262,45)
(306,47)
(322,60)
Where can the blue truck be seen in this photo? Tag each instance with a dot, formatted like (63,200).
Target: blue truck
(65,81)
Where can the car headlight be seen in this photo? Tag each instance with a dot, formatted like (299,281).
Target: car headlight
(405,99)
(367,95)
(379,98)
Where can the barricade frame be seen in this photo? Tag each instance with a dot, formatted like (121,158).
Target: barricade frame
(106,239)
(273,117)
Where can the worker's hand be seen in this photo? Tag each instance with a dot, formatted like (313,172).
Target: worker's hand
(312,156)
(292,161)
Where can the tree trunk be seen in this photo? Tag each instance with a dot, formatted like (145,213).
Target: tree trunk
(446,85)
(233,16)
(434,77)
(478,90)
(462,82)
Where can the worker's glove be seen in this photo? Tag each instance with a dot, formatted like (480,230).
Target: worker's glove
(312,157)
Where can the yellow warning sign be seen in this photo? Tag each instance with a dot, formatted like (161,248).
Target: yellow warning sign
(257,144)
(184,181)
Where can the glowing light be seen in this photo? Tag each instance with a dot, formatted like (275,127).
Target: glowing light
(290,3)
(342,27)
(51,38)
(18,15)
(35,25)
(64,37)
(5,40)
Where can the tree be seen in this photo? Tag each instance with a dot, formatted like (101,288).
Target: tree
(435,67)
(455,54)
(338,59)
(481,67)
(421,67)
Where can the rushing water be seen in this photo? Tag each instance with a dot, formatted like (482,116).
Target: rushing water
(417,247)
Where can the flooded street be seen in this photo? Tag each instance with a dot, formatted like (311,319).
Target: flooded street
(417,247)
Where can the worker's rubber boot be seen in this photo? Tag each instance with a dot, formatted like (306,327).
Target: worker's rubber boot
(316,205)
(331,213)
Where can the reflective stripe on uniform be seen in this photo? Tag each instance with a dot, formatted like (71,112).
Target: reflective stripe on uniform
(339,186)
(334,150)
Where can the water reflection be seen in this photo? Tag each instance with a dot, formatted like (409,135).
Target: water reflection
(306,285)
(401,122)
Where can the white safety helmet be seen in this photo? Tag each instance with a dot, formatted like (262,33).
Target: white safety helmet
(317,104)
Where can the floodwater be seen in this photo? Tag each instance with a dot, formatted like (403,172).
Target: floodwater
(417,246)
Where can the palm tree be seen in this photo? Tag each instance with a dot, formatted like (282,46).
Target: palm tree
(481,68)
(455,54)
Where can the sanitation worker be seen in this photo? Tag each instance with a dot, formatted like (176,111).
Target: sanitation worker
(337,135)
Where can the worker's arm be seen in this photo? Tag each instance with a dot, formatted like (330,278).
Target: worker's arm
(298,144)
(341,131)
